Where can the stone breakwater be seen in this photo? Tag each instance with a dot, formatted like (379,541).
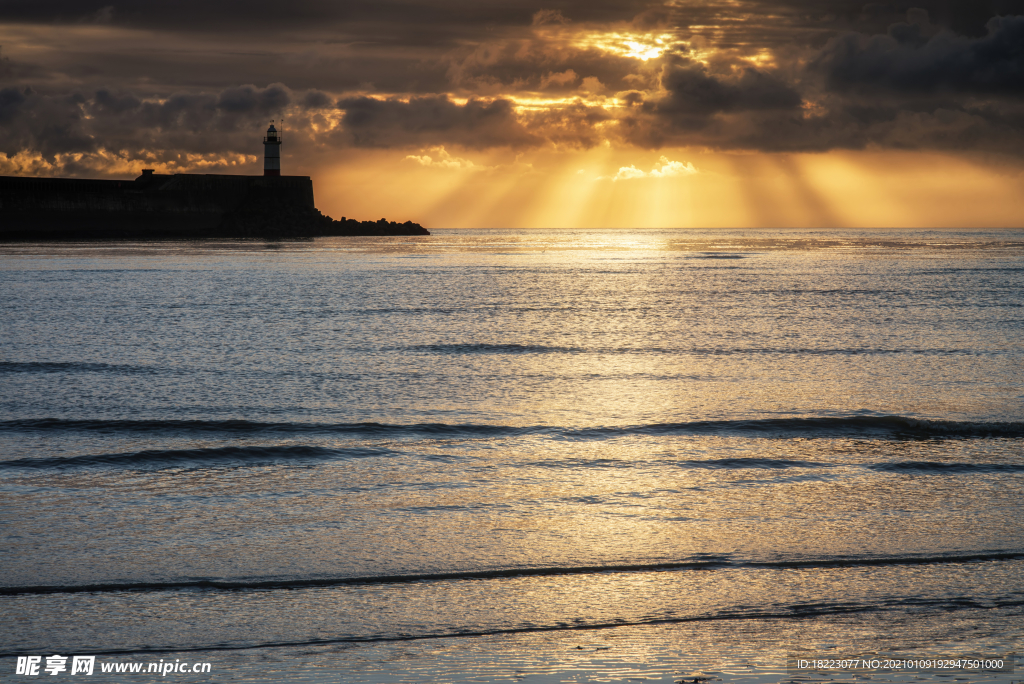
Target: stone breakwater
(179,206)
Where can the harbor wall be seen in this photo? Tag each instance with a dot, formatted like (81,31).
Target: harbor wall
(152,205)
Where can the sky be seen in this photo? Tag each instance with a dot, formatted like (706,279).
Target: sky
(541,113)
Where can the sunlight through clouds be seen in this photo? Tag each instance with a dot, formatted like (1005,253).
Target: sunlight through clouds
(668,169)
(443,160)
(642,46)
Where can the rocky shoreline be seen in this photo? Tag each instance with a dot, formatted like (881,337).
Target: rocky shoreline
(283,221)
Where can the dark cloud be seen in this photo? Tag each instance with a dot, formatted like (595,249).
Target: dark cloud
(445,22)
(529,64)
(169,80)
(549,16)
(693,94)
(314,99)
(50,125)
(838,127)
(437,120)
(11,100)
(915,85)
(391,21)
(963,17)
(478,124)
(106,102)
(573,126)
(111,122)
(250,100)
(746,108)
(904,62)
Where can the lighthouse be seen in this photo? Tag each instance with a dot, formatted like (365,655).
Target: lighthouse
(272,152)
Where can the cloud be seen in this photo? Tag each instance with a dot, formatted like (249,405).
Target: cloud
(394,22)
(592,84)
(110,129)
(443,160)
(249,99)
(577,125)
(739,107)
(693,94)
(150,81)
(563,78)
(549,16)
(550,59)
(668,169)
(903,62)
(315,99)
(393,122)
(11,101)
(477,124)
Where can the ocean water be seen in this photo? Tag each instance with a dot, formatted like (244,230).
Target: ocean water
(522,456)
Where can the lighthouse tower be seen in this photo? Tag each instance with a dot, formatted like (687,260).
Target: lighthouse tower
(272,154)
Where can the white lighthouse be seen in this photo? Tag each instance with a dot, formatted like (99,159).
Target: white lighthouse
(272,152)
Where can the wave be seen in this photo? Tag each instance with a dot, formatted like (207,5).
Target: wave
(248,455)
(939,468)
(885,427)
(777,612)
(492,349)
(463,349)
(863,427)
(755,463)
(961,269)
(894,467)
(485,348)
(250,427)
(261,455)
(700,562)
(798,611)
(71,367)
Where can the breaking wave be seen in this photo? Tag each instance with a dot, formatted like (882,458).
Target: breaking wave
(865,427)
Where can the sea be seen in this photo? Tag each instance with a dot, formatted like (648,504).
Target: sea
(515,456)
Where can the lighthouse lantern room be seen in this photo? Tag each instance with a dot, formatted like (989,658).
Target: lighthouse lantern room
(272,152)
